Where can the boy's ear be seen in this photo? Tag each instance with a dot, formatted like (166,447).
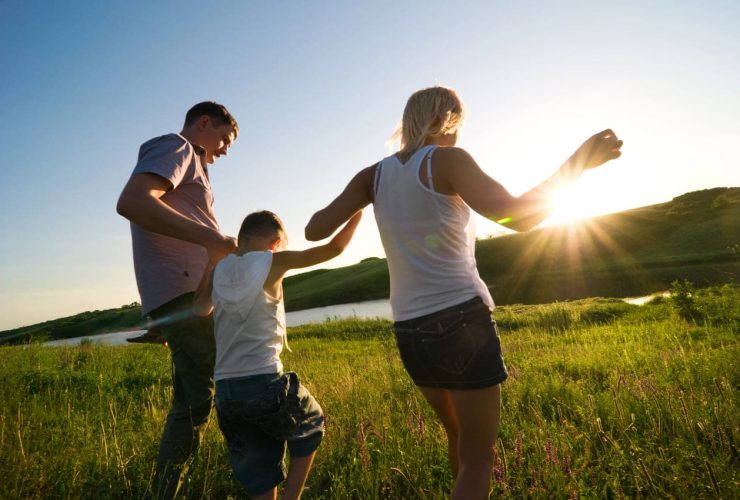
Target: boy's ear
(276,244)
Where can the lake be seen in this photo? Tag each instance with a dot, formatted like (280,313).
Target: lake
(368,309)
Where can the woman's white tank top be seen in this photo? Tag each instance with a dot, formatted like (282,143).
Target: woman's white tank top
(429,240)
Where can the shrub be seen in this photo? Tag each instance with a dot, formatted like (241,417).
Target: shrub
(683,302)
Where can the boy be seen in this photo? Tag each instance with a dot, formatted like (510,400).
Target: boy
(259,407)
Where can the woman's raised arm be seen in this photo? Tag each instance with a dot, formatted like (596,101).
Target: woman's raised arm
(460,174)
(357,195)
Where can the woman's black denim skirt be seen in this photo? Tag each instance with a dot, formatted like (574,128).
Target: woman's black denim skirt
(455,348)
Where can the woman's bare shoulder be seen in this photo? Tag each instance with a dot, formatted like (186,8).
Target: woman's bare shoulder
(452,153)
(452,160)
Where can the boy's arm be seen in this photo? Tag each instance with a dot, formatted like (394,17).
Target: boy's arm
(283,261)
(202,304)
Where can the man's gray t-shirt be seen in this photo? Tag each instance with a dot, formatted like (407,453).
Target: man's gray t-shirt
(167,267)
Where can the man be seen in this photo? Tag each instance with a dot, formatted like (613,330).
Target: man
(174,233)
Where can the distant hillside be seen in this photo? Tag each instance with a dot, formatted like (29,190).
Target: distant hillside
(695,236)
(126,317)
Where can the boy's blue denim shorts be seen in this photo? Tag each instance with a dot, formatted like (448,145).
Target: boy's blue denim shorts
(258,414)
(455,348)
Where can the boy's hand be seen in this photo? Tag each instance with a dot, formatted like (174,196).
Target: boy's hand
(343,237)
(202,305)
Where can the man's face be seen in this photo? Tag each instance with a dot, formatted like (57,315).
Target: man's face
(216,139)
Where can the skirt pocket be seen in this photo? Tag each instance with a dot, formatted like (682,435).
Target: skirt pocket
(452,351)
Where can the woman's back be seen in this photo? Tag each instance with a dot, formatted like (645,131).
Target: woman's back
(429,240)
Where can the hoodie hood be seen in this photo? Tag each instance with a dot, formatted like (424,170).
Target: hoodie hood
(238,281)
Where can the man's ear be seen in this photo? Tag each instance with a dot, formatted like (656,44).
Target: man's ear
(203,121)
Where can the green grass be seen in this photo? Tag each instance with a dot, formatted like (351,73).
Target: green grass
(604,400)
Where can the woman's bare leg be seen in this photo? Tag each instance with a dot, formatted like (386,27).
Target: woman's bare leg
(441,402)
(478,412)
(297,474)
(269,495)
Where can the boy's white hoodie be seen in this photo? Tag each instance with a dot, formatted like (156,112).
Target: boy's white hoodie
(249,323)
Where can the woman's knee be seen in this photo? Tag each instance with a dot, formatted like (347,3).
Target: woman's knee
(476,456)
(476,449)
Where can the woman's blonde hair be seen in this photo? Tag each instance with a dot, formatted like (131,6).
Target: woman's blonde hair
(430,112)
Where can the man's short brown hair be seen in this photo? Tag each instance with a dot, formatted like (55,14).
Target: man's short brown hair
(217,112)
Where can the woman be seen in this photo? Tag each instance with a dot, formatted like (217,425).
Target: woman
(422,197)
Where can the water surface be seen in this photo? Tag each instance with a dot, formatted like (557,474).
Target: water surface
(368,309)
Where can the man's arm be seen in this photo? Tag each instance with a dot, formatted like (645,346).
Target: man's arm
(140,202)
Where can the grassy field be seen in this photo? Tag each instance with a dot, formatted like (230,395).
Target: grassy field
(604,400)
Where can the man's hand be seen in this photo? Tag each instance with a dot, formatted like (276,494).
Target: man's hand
(219,247)
(597,150)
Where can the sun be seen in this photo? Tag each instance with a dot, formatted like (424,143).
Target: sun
(572,203)
(570,206)
(583,200)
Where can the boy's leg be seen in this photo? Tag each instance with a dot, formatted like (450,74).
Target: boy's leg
(478,412)
(256,456)
(297,474)
(307,437)
(193,355)
(441,402)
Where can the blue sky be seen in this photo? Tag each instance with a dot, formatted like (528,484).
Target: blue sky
(317,89)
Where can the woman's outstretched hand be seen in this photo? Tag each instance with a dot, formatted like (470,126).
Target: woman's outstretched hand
(597,150)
